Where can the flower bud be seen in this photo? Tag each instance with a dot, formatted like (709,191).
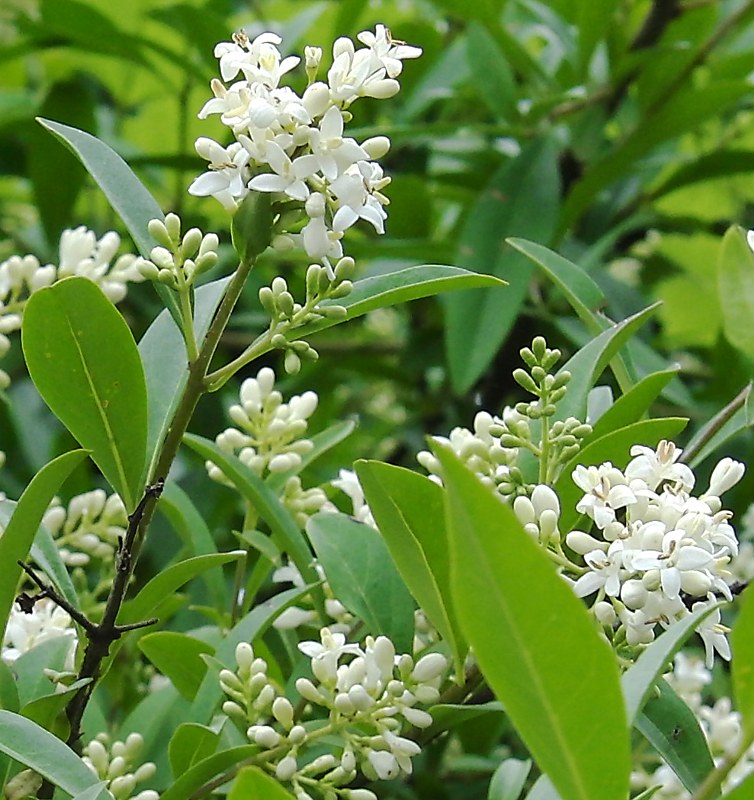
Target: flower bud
(286,769)
(429,667)
(282,710)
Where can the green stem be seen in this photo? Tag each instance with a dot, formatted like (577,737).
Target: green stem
(98,647)
(238,603)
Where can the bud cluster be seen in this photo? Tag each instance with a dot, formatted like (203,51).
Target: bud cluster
(178,260)
(118,765)
(270,438)
(370,696)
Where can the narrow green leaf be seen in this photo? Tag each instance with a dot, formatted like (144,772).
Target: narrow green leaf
(508,780)
(17,538)
(522,199)
(253,488)
(614,447)
(252,782)
(43,710)
(582,293)
(742,665)
(408,509)
(363,576)
(492,74)
(47,554)
(447,715)
(168,581)
(206,769)
(673,730)
(631,406)
(29,667)
(535,643)
(190,526)
(84,362)
(729,421)
(163,353)
(412,283)
(190,744)
(590,361)
(126,193)
(638,680)
(735,275)
(8,691)
(36,748)
(177,656)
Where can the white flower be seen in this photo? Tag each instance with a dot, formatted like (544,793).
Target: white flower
(226,178)
(658,466)
(726,474)
(713,634)
(289,175)
(348,482)
(25,631)
(388,50)
(606,491)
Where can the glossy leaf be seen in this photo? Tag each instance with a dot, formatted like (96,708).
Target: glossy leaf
(164,583)
(178,657)
(637,681)
(363,577)
(631,406)
(31,680)
(735,275)
(535,643)
(252,782)
(264,500)
(446,716)
(43,710)
(742,665)
(393,288)
(673,730)
(614,447)
(127,195)
(521,200)
(206,769)
(84,362)
(190,744)
(590,361)
(163,353)
(36,748)
(17,538)
(408,509)
(508,780)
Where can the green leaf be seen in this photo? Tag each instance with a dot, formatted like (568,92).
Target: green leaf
(392,288)
(252,782)
(735,275)
(163,354)
(508,780)
(614,447)
(8,691)
(30,667)
(408,509)
(19,533)
(95,792)
(363,576)
(36,748)
(637,681)
(264,500)
(177,656)
(46,553)
(168,581)
(206,769)
(190,744)
(535,643)
(127,195)
(742,665)
(190,526)
(673,730)
(733,418)
(492,74)
(521,200)
(582,293)
(43,710)
(631,406)
(84,362)
(590,361)
(447,715)
(744,790)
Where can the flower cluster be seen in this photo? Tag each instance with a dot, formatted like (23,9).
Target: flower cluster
(293,146)
(369,696)
(720,724)
(26,630)
(657,549)
(80,253)
(116,764)
(270,439)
